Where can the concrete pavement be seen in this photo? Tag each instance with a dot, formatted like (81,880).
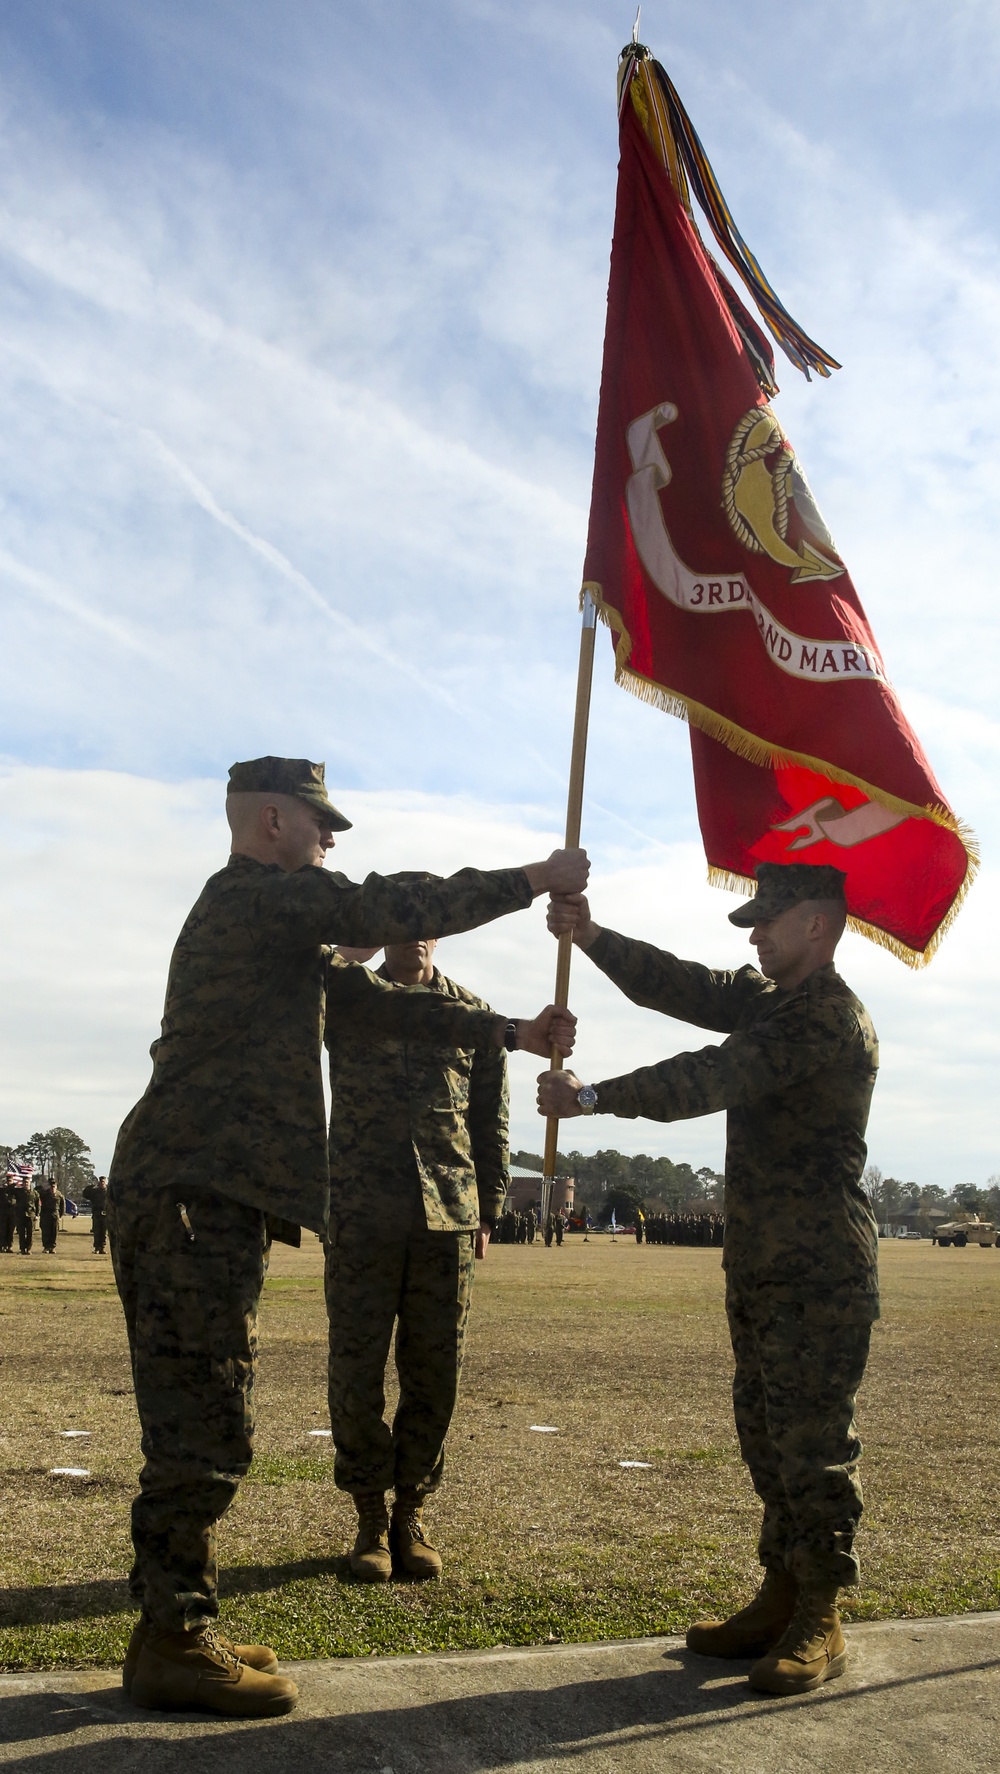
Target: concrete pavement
(921,1697)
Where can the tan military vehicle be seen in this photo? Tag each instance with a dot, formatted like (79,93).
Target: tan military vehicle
(970,1229)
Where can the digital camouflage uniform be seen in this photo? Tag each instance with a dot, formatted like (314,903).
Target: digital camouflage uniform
(8,1216)
(231,1131)
(796,1075)
(52,1206)
(418,1156)
(25,1215)
(97,1194)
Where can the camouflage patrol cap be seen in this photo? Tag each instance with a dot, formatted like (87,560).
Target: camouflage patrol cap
(784,884)
(287,776)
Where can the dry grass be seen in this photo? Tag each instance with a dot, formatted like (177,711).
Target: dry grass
(624,1349)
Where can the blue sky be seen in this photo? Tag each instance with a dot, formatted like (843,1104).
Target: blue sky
(301,313)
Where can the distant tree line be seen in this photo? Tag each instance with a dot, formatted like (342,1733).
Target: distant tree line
(59,1156)
(613,1182)
(891,1198)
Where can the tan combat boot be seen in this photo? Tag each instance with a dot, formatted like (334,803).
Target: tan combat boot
(810,1651)
(412,1553)
(185,1670)
(755,1628)
(256,1656)
(370,1559)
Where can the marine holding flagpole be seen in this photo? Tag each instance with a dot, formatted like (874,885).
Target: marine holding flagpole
(730,606)
(795,1075)
(227,1149)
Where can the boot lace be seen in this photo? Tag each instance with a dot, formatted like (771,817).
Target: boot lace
(216,1642)
(410,1523)
(805,1625)
(372,1519)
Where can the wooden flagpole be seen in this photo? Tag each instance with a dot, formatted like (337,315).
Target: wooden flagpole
(574,817)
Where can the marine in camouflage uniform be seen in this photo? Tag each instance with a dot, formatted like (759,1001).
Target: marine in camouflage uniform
(97,1194)
(52,1206)
(8,1205)
(227,1146)
(418,1170)
(795,1075)
(26,1207)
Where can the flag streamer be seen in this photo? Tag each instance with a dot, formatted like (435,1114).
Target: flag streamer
(648,86)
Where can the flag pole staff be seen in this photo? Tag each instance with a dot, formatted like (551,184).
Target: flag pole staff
(574,818)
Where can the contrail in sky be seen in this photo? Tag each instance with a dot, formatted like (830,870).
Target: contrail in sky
(51,592)
(280,562)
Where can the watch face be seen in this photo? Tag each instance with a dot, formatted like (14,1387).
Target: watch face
(587,1096)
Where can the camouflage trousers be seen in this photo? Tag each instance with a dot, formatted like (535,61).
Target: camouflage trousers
(380,1272)
(190,1295)
(798,1369)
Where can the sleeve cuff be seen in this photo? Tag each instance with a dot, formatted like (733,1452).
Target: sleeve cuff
(616,1096)
(598,949)
(491,1199)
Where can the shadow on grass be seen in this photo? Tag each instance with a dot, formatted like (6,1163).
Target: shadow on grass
(669,1708)
(47,1604)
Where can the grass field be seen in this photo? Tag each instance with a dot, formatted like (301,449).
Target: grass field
(623,1349)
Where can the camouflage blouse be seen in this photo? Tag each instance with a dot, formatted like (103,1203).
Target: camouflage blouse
(406,1104)
(795,1075)
(235,1102)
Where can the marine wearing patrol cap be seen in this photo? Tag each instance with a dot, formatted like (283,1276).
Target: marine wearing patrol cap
(784,884)
(287,776)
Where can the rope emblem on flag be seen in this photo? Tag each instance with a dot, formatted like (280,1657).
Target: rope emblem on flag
(763,476)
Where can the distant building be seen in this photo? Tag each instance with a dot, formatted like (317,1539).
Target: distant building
(526,1191)
(922,1219)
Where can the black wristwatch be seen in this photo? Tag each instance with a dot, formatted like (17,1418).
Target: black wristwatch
(586,1096)
(510,1035)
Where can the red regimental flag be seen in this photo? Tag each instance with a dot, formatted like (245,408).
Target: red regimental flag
(709,559)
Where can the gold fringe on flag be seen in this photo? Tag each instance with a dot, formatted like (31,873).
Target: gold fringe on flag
(769,756)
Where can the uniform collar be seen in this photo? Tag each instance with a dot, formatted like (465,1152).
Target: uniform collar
(820,976)
(247,863)
(434,984)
